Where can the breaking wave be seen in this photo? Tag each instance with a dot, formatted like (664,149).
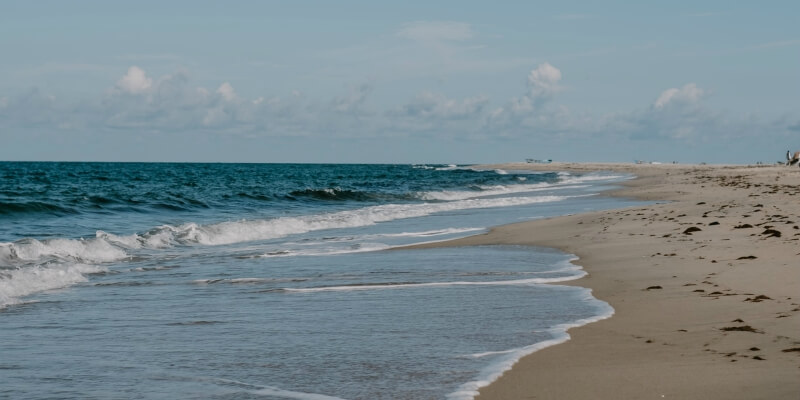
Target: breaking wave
(20,282)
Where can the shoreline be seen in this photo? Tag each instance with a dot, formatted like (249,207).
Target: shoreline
(711,312)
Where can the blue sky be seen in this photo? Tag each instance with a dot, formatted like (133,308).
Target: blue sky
(368,81)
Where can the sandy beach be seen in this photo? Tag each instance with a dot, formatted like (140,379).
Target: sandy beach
(705,284)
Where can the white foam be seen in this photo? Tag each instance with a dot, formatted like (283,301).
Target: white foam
(272,391)
(130,241)
(150,269)
(24,281)
(449,167)
(486,191)
(438,232)
(245,280)
(348,288)
(593,177)
(243,231)
(421,166)
(80,250)
(327,251)
(31,266)
(491,353)
(287,394)
(491,373)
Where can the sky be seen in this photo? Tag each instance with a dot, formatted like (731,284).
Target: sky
(399,82)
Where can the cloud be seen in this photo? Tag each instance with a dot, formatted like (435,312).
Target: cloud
(543,81)
(353,101)
(429,105)
(533,108)
(226,91)
(678,115)
(135,81)
(436,31)
(172,104)
(32,108)
(687,95)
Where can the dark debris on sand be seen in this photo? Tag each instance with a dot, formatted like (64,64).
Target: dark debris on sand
(691,229)
(745,328)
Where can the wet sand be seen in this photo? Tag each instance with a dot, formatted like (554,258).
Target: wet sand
(705,286)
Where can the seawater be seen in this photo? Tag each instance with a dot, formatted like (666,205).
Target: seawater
(238,281)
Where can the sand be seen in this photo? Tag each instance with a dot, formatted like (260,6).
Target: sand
(705,285)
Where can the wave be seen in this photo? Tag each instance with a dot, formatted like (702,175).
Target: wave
(508,358)
(64,257)
(32,251)
(350,244)
(24,281)
(230,232)
(592,177)
(496,190)
(413,285)
(356,248)
(246,280)
(437,232)
(60,204)
(422,166)
(34,207)
(272,391)
(68,257)
(30,266)
(334,194)
(565,181)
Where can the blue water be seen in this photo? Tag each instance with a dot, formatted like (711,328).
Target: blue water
(270,281)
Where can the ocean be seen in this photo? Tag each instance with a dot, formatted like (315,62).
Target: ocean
(270,281)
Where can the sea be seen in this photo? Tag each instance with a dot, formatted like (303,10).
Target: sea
(276,281)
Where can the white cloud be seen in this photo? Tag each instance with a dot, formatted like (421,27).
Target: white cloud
(688,94)
(543,81)
(437,106)
(174,104)
(135,81)
(226,91)
(436,31)
(520,105)
(353,101)
(532,108)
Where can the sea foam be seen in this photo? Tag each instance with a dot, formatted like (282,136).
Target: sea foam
(230,232)
(24,281)
(80,250)
(62,262)
(507,358)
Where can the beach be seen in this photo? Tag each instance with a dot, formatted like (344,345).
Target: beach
(165,280)
(704,283)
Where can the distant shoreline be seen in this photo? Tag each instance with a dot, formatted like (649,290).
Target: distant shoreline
(709,312)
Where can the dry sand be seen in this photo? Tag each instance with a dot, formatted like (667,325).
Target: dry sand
(708,314)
